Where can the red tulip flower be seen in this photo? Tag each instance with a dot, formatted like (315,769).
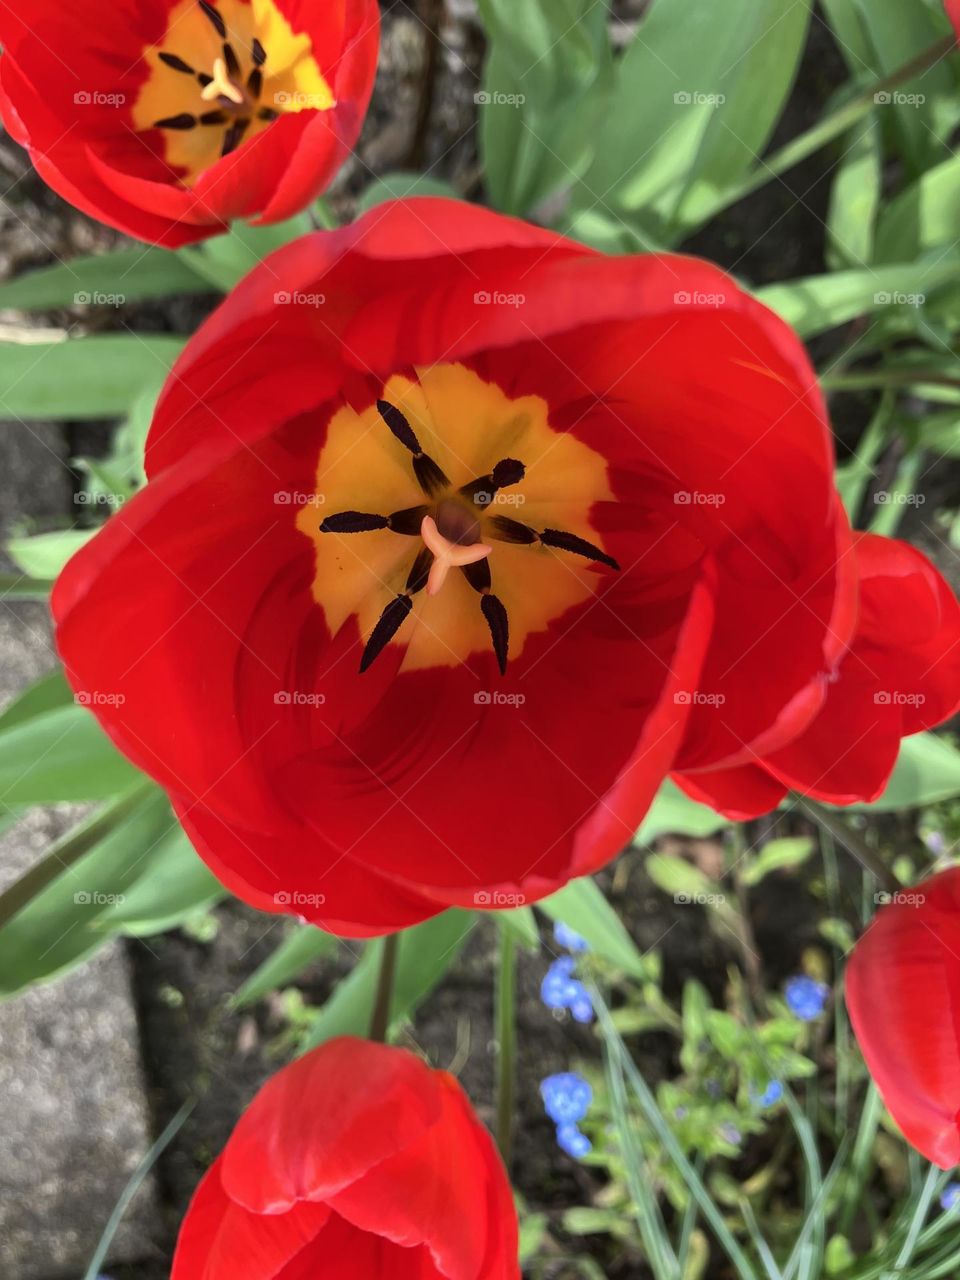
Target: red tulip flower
(953,13)
(900,675)
(458,538)
(902,990)
(167,120)
(356,1162)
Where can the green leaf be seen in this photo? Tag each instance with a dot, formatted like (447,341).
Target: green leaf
(855,199)
(923,217)
(818,303)
(82,378)
(47,694)
(545,92)
(777,855)
(698,94)
(673,813)
(522,923)
(680,878)
(928,770)
(61,754)
(173,883)
(51,917)
(44,554)
(303,945)
(16,586)
(126,275)
(426,952)
(582,905)
(922,113)
(404,186)
(224,260)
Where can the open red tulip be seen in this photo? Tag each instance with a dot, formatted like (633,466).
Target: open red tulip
(900,675)
(356,1162)
(458,538)
(166,120)
(903,993)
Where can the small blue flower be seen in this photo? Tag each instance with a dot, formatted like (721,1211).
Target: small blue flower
(561,990)
(572,1141)
(730,1133)
(559,987)
(566,1097)
(581,1006)
(936,843)
(806,997)
(950,1197)
(769,1096)
(568,938)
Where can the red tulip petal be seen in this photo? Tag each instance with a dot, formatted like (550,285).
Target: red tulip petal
(429,1194)
(344,1252)
(903,993)
(325,1121)
(220,1240)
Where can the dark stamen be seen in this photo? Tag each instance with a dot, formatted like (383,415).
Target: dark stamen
(255,83)
(214,117)
(204,79)
(219,24)
(259,53)
(409,521)
(579,546)
(506,530)
(420,572)
(230,58)
(399,425)
(484,489)
(392,618)
(499,624)
(183,121)
(178,64)
(268,113)
(353,522)
(233,136)
(478,575)
(429,476)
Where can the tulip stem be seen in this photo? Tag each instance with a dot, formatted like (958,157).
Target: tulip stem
(506,998)
(824,132)
(852,841)
(380,1021)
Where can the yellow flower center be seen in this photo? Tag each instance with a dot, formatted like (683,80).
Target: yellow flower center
(221,75)
(454,520)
